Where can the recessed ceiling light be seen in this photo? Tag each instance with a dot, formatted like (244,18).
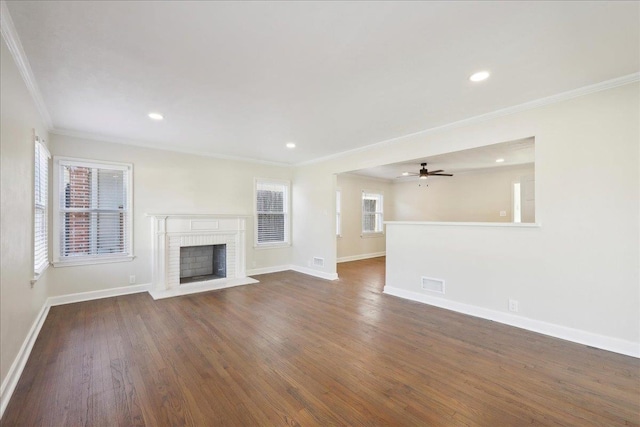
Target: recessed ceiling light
(499,160)
(156,116)
(405,173)
(291,145)
(479,76)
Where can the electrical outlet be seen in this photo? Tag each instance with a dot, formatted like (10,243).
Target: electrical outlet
(132,280)
(503,213)
(513,305)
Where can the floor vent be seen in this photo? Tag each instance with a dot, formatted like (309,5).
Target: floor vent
(318,262)
(433,285)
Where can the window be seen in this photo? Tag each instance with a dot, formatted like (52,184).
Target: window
(40,209)
(272,212)
(93,218)
(517,213)
(338,209)
(372,212)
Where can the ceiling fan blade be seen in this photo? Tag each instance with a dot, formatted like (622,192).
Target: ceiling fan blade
(441,174)
(432,172)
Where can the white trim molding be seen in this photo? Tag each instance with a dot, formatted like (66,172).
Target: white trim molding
(603,342)
(94,137)
(315,273)
(361,256)
(15,371)
(10,36)
(267,270)
(560,97)
(93,295)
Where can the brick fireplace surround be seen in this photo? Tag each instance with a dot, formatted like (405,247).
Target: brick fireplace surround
(171,232)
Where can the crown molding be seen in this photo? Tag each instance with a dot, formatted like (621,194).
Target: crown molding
(10,36)
(122,141)
(354,175)
(560,97)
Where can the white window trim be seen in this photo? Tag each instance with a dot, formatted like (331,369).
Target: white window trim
(369,234)
(96,259)
(287,215)
(38,272)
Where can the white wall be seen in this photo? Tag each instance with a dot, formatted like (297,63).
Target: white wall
(168,182)
(19,302)
(476,196)
(584,258)
(352,244)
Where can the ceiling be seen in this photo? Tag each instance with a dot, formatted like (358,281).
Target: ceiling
(514,153)
(241,79)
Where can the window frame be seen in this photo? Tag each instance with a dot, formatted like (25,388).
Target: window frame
(40,180)
(287,215)
(378,221)
(58,260)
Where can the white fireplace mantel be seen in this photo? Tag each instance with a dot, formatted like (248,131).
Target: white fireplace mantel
(170,232)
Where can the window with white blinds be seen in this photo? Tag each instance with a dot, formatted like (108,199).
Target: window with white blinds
(40,208)
(94,211)
(372,212)
(272,212)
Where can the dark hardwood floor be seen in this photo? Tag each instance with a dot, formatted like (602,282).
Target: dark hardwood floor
(295,350)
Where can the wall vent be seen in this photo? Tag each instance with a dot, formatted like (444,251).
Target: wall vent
(433,285)
(318,262)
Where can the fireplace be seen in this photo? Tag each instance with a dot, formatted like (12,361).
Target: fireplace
(196,253)
(199,263)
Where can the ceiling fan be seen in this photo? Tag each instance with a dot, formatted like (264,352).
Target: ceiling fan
(424,173)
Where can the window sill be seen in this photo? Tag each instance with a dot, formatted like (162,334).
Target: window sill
(371,235)
(92,261)
(38,274)
(272,246)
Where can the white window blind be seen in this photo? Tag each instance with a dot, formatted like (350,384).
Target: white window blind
(372,212)
(338,212)
(40,208)
(94,212)
(272,219)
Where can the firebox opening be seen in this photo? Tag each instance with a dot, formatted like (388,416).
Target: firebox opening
(200,263)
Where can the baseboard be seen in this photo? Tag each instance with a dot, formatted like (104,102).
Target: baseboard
(267,270)
(15,371)
(362,256)
(603,342)
(104,293)
(315,273)
(195,288)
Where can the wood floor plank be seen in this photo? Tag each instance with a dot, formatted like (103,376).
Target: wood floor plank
(295,350)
